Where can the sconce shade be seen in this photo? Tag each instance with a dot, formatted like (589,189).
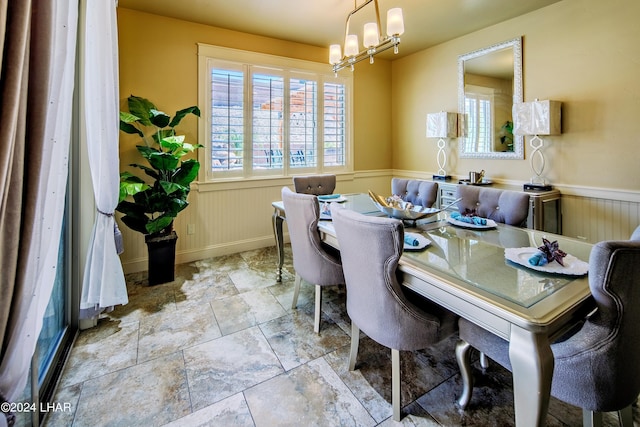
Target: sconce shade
(537,118)
(442,125)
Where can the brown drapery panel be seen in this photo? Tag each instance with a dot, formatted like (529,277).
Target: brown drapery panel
(26,43)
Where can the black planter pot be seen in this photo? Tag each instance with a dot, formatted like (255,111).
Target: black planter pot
(162,257)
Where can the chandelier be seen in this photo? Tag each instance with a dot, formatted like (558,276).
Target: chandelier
(373,42)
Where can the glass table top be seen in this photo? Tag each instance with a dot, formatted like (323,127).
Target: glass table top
(477,259)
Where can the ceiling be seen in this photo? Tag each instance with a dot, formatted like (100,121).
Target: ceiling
(321,22)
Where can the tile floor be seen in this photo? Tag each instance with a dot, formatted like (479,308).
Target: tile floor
(221,346)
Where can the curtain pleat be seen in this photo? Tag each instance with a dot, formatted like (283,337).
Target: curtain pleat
(36,86)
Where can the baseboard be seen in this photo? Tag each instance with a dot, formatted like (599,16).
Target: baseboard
(140,264)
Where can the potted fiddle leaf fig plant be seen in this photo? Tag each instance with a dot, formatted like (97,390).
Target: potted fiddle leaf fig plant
(151,204)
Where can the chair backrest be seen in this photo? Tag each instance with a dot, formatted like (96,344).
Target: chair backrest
(416,191)
(508,207)
(597,367)
(315,184)
(636,234)
(370,248)
(310,259)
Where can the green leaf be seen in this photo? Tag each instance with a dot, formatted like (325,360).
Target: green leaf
(173,143)
(135,224)
(159,118)
(129,128)
(141,107)
(128,117)
(146,151)
(180,115)
(163,161)
(158,224)
(171,187)
(187,172)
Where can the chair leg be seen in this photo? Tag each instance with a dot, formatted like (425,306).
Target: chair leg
(355,341)
(395,384)
(318,313)
(484,361)
(591,419)
(296,291)
(625,415)
(463,356)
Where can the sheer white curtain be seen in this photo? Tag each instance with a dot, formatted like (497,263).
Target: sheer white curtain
(42,256)
(103,283)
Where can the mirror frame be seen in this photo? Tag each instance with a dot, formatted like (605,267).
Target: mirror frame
(518,143)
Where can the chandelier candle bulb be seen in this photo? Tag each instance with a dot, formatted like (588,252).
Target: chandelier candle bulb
(371,37)
(335,54)
(351,45)
(395,22)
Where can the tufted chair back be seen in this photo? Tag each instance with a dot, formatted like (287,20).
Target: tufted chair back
(313,261)
(418,192)
(318,185)
(377,303)
(508,207)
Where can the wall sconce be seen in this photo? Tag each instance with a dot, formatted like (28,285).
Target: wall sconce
(443,125)
(373,41)
(534,119)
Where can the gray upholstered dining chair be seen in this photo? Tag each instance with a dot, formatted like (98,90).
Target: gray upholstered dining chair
(376,303)
(313,261)
(596,367)
(416,191)
(505,206)
(315,184)
(636,234)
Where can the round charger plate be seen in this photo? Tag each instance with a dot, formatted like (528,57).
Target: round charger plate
(423,242)
(572,265)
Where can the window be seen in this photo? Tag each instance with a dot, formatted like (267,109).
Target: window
(479,129)
(266,116)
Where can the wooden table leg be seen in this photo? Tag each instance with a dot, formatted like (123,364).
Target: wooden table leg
(277,231)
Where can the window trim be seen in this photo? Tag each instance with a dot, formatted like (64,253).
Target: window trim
(208,54)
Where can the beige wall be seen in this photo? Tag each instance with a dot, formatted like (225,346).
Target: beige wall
(584,53)
(158,60)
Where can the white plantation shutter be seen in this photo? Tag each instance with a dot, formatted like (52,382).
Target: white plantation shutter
(271,116)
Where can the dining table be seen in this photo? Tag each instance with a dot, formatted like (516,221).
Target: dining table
(482,273)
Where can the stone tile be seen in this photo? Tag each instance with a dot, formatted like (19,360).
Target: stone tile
(247,279)
(220,368)
(310,395)
(294,341)
(150,394)
(64,396)
(283,292)
(230,412)
(246,309)
(201,290)
(110,346)
(145,301)
(166,333)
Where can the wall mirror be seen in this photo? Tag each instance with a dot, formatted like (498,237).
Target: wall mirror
(489,82)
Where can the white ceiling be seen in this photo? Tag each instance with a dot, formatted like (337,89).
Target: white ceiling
(321,22)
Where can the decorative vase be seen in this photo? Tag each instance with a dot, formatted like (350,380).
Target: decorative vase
(162,257)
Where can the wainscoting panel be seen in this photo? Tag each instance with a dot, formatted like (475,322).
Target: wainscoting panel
(596,219)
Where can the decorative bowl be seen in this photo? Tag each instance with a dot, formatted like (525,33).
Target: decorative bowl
(404,210)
